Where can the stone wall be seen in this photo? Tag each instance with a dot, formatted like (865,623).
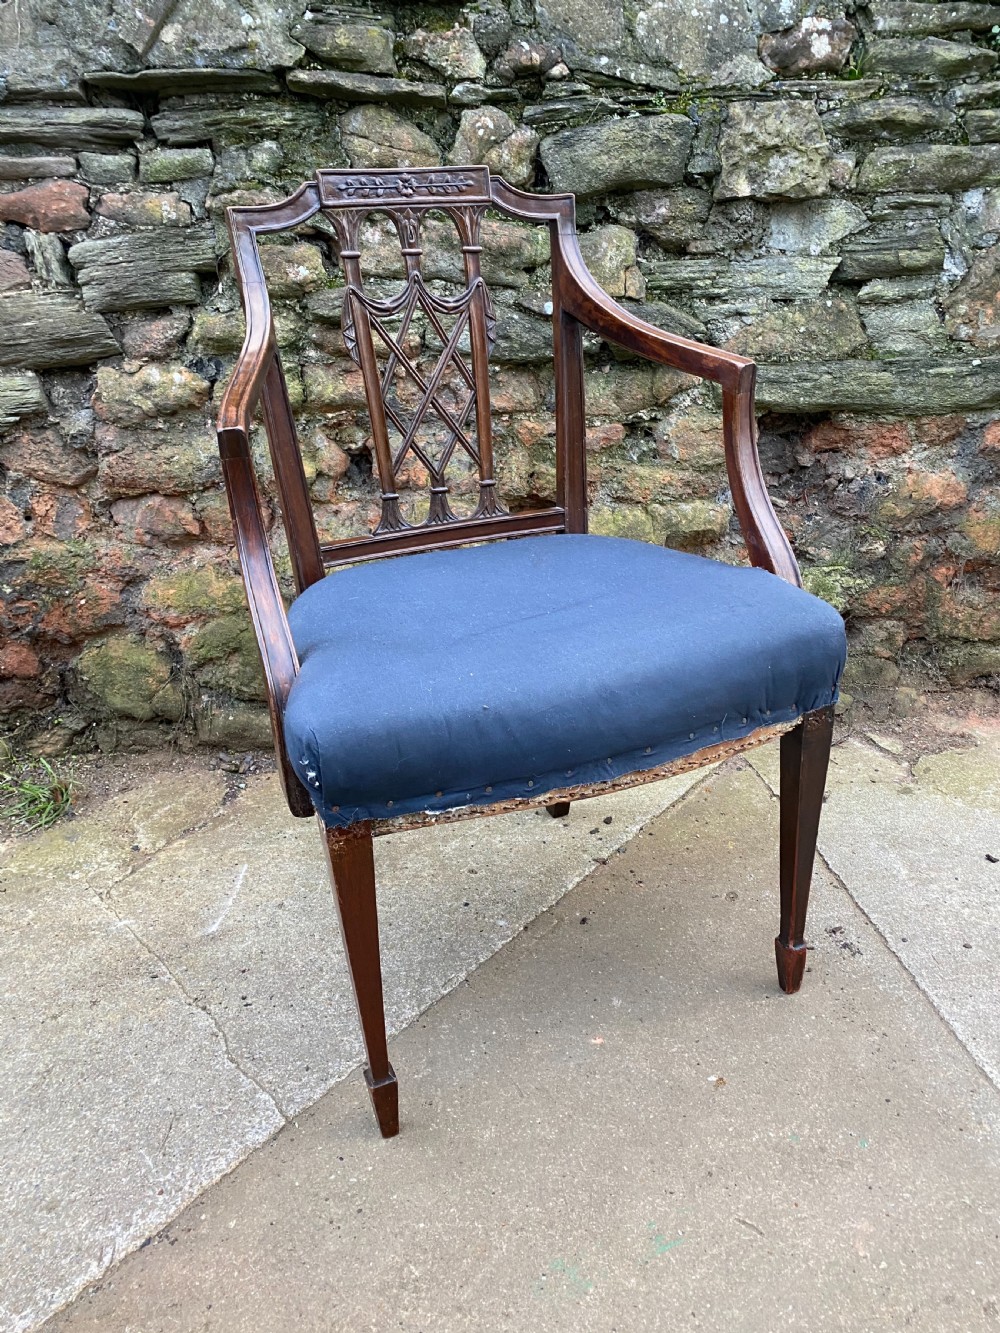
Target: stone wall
(816,188)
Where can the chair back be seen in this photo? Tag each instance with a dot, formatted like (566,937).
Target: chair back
(423,356)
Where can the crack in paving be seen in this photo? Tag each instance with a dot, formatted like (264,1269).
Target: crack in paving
(198,1004)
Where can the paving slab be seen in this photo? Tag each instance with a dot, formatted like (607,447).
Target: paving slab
(118,1097)
(913,845)
(619,1123)
(242,913)
(174,989)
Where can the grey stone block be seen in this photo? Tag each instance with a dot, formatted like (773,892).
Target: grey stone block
(893,248)
(38,331)
(66,127)
(913,386)
(937,166)
(235,121)
(773,150)
(888,118)
(618,155)
(929,58)
(342,86)
(20,396)
(146,269)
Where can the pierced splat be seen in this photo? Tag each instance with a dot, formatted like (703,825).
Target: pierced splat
(399,434)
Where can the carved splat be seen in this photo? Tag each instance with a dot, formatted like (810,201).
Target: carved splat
(451,409)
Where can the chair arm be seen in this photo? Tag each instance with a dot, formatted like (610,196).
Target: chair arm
(247,380)
(586,301)
(267,610)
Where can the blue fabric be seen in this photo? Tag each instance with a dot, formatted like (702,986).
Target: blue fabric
(483,673)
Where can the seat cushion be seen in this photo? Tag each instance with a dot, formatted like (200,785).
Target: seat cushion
(474,675)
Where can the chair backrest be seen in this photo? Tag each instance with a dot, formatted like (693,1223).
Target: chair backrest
(431,415)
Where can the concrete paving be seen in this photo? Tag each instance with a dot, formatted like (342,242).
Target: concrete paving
(914,844)
(611,1117)
(618,1123)
(174,992)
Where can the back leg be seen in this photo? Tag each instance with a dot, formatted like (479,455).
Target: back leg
(351,858)
(558,809)
(805,754)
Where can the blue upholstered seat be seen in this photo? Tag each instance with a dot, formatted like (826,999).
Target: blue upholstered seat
(483,673)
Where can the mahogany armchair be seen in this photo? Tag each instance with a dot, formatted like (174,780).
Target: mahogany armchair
(542,665)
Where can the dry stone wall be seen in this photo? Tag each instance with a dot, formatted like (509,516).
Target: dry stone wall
(811,184)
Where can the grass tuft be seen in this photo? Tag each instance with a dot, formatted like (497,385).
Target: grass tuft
(32,794)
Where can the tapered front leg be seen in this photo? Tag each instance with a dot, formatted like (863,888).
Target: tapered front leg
(350,855)
(805,755)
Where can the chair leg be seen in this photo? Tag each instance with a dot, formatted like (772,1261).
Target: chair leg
(558,809)
(350,855)
(805,754)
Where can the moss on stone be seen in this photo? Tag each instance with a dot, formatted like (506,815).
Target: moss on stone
(225,657)
(219,638)
(962,663)
(129,678)
(195,592)
(61,566)
(689,524)
(621,520)
(837,584)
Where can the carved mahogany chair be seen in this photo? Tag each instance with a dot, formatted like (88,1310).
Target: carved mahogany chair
(502,660)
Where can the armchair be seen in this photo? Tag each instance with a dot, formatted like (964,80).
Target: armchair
(502,660)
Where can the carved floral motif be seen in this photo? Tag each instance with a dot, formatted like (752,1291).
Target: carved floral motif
(402,185)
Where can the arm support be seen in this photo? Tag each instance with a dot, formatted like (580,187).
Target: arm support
(267,610)
(586,301)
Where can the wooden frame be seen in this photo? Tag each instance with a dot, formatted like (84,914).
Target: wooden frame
(343,198)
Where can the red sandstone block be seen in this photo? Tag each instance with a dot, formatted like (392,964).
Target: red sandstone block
(56,205)
(156,518)
(14,275)
(12,524)
(938,430)
(879,439)
(20,661)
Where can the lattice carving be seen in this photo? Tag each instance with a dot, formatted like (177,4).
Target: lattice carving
(403,433)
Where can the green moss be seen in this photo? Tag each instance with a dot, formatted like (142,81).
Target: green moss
(225,654)
(217,333)
(836,584)
(963,663)
(621,521)
(129,678)
(684,103)
(689,524)
(240,676)
(196,592)
(219,639)
(62,564)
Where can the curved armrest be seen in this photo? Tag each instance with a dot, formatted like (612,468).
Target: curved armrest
(586,301)
(267,610)
(244,388)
